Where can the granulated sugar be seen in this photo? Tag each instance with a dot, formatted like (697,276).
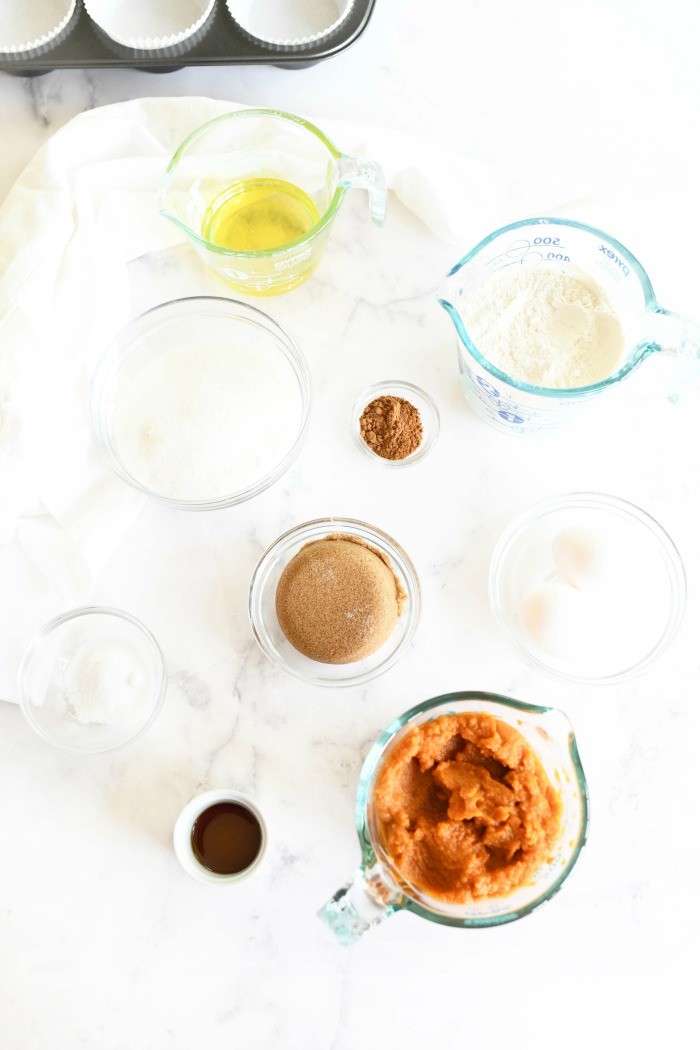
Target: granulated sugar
(545,328)
(203,422)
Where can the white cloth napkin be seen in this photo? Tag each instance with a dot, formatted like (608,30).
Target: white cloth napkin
(80,212)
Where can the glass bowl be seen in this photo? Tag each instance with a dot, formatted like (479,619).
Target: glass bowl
(263,616)
(211,322)
(522,558)
(44,678)
(430,418)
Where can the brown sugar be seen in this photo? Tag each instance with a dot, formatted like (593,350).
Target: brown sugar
(338,600)
(392,427)
(465,808)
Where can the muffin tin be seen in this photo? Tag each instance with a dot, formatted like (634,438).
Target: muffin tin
(81,44)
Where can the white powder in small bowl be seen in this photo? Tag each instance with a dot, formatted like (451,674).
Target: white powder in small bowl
(104,683)
(202,422)
(545,328)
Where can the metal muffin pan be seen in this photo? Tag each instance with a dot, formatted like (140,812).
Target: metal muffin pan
(220,42)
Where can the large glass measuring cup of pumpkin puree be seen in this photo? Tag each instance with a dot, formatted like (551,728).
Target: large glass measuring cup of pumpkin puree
(570,247)
(256,192)
(378,889)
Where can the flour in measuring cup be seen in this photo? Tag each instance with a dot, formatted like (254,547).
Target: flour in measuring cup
(545,328)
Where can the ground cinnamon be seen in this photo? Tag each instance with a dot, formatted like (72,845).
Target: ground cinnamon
(392,427)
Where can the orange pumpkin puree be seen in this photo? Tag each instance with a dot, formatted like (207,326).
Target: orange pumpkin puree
(465,809)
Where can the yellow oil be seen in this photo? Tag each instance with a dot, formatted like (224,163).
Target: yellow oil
(259,215)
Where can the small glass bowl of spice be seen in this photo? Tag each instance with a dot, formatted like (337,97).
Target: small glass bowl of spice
(395,423)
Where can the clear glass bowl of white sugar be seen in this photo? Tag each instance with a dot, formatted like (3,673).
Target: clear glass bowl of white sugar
(201,403)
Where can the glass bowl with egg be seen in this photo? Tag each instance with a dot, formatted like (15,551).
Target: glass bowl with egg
(92,680)
(334,602)
(587,587)
(201,403)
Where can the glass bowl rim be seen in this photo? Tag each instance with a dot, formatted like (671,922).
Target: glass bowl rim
(60,621)
(336,524)
(599,500)
(369,394)
(377,749)
(112,359)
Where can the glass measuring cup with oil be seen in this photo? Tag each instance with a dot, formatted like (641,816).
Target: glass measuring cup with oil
(256,192)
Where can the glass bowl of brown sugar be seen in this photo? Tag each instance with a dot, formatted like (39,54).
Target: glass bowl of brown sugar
(394,422)
(319,589)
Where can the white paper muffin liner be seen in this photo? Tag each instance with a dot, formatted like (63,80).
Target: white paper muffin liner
(289,23)
(29,25)
(149,25)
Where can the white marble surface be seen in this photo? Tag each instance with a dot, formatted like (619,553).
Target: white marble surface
(106,943)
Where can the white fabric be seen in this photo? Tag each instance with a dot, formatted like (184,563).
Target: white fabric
(80,212)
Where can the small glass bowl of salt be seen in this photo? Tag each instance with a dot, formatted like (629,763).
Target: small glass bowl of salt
(92,680)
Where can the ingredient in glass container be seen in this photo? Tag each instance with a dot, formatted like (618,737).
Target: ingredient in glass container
(465,808)
(226,838)
(545,328)
(601,606)
(391,427)
(203,422)
(259,215)
(103,683)
(338,600)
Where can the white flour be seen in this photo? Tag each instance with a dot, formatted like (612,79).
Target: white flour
(202,422)
(545,328)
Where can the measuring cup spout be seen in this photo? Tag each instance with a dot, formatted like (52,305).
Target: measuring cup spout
(448,295)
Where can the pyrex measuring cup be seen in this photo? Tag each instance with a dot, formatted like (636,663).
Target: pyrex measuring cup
(377,889)
(267,145)
(569,247)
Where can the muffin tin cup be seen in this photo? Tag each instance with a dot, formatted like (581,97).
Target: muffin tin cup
(263,615)
(180,30)
(304,22)
(220,41)
(33,28)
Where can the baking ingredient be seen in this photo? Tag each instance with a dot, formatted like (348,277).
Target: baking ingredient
(558,619)
(593,558)
(598,601)
(226,838)
(338,600)
(259,215)
(104,683)
(392,427)
(546,328)
(201,422)
(465,809)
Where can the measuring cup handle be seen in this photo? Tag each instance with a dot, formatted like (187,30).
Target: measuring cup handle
(364,902)
(678,335)
(364,174)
